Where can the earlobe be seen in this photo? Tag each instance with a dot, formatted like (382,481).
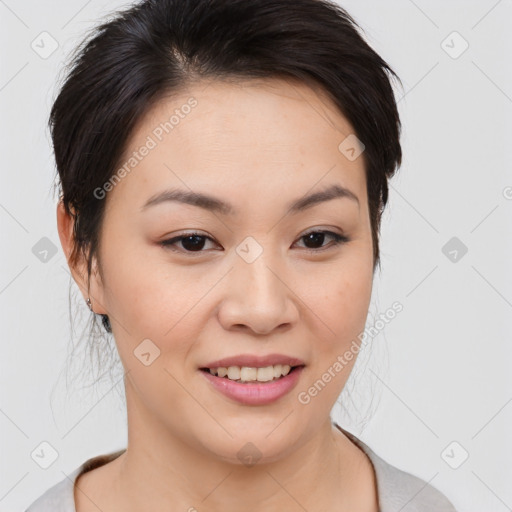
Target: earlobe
(78,269)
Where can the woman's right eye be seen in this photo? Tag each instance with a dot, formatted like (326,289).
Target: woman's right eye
(190,242)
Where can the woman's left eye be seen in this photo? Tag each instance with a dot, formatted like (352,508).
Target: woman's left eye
(317,237)
(195,242)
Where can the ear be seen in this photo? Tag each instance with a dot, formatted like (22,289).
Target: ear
(92,289)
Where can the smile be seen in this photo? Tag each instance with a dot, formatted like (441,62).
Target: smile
(251,385)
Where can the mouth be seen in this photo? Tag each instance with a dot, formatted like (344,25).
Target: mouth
(251,374)
(253,385)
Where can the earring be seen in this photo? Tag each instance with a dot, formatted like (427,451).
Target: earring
(104,318)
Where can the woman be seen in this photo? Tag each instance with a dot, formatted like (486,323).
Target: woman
(223,168)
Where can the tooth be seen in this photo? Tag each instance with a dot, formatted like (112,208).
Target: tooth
(222,372)
(265,374)
(286,369)
(277,371)
(248,373)
(212,371)
(234,372)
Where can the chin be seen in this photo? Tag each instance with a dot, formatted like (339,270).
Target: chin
(253,441)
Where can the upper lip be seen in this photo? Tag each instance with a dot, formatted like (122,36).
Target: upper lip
(254,361)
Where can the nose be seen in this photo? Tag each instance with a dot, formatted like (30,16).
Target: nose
(258,298)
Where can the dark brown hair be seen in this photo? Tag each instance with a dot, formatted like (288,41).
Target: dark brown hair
(158,46)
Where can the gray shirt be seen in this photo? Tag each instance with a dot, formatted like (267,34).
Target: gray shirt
(397,490)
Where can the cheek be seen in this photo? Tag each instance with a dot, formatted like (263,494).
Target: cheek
(151,298)
(144,297)
(339,312)
(340,299)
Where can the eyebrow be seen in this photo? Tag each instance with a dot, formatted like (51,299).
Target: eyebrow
(215,204)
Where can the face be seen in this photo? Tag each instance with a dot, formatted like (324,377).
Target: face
(264,267)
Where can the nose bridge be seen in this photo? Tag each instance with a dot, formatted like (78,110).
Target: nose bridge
(253,274)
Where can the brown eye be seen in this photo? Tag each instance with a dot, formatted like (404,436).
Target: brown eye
(190,242)
(314,239)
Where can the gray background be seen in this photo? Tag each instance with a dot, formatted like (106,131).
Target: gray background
(437,374)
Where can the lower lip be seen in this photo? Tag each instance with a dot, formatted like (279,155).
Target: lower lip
(255,393)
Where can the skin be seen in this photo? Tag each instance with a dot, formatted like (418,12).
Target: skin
(258,145)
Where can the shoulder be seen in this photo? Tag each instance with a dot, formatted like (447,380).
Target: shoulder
(60,497)
(399,490)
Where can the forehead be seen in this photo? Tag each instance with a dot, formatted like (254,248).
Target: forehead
(271,136)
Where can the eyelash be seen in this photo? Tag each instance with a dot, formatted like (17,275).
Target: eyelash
(338,240)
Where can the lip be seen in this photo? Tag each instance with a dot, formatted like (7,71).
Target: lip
(254,393)
(254,361)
